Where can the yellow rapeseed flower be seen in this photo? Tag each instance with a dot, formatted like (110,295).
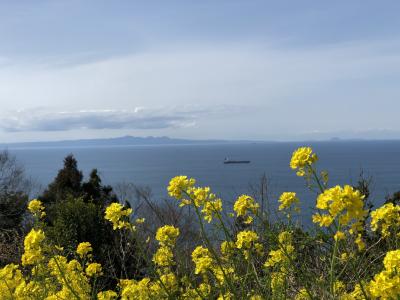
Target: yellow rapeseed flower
(33,247)
(386,284)
(211,208)
(284,254)
(132,289)
(163,257)
(246,239)
(10,279)
(179,185)
(302,295)
(244,205)
(339,235)
(36,208)
(227,248)
(84,249)
(277,282)
(386,219)
(118,215)
(344,204)
(107,295)
(391,262)
(140,221)
(94,269)
(287,199)
(167,235)
(301,158)
(202,259)
(359,242)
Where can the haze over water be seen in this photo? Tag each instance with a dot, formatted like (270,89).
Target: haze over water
(154,166)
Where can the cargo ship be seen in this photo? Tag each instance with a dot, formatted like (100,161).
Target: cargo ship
(230,161)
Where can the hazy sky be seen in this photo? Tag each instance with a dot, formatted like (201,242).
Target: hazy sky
(245,69)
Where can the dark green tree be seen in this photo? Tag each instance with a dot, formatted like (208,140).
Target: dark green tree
(394,199)
(67,182)
(12,210)
(75,214)
(14,190)
(76,221)
(94,191)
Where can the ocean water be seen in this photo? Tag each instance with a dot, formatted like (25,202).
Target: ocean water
(154,166)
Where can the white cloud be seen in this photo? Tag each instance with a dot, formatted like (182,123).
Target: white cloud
(45,120)
(139,118)
(289,91)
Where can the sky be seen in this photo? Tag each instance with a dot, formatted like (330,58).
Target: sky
(254,70)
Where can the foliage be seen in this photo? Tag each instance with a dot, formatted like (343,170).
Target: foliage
(69,182)
(76,221)
(75,214)
(352,253)
(14,190)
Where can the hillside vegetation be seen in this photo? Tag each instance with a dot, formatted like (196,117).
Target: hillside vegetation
(351,252)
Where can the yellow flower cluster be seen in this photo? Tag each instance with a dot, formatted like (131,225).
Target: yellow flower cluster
(247,241)
(386,285)
(244,205)
(287,199)
(107,295)
(71,277)
(210,208)
(183,189)
(10,280)
(179,185)
(227,249)
(202,259)
(94,269)
(52,277)
(36,208)
(344,205)
(386,219)
(33,247)
(284,253)
(167,235)
(339,235)
(357,293)
(84,249)
(205,264)
(199,293)
(280,261)
(163,257)
(146,289)
(118,215)
(302,295)
(302,158)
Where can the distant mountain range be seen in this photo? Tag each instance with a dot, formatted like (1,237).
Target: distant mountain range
(119,141)
(153,140)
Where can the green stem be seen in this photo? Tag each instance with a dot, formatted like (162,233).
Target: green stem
(158,278)
(9,289)
(321,188)
(211,248)
(65,279)
(333,259)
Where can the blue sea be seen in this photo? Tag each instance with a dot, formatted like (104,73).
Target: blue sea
(154,166)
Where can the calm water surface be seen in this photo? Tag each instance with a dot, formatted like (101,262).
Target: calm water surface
(154,166)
